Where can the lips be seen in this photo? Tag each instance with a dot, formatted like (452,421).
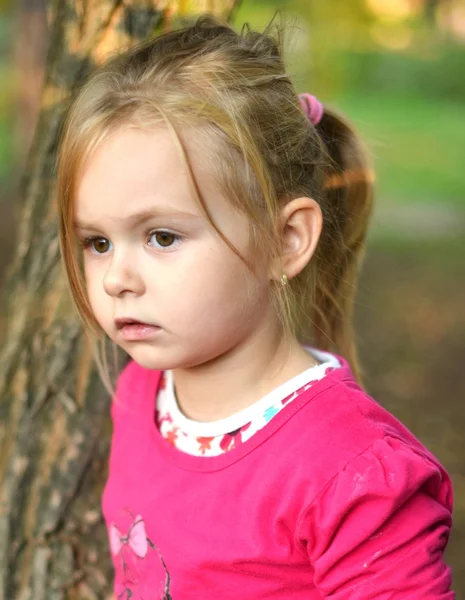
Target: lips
(124,321)
(135,331)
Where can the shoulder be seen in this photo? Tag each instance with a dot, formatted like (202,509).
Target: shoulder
(132,375)
(135,389)
(352,417)
(383,519)
(341,427)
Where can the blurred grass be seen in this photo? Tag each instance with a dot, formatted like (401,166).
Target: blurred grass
(410,324)
(418,145)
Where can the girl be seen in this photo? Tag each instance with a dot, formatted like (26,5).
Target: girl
(222,219)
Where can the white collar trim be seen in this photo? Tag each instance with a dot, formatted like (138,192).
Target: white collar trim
(168,402)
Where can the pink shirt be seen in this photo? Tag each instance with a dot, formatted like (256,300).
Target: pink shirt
(333,498)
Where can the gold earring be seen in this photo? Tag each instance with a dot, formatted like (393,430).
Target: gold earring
(283,280)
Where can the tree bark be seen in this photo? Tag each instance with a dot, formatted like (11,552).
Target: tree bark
(54,417)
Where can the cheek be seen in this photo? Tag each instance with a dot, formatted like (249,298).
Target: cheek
(94,286)
(220,286)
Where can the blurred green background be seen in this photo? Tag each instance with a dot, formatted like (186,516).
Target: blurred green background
(397,69)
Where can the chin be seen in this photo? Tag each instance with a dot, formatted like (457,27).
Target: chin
(152,364)
(154,360)
(164,359)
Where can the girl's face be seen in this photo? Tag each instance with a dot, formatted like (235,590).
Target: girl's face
(162,283)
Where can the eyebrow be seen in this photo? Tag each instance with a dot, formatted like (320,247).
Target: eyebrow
(137,218)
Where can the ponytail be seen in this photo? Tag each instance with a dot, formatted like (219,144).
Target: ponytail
(348,191)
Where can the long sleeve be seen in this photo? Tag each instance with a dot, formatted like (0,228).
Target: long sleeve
(378,530)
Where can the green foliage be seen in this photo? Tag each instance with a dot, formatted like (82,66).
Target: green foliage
(439,75)
(331,28)
(407,104)
(258,13)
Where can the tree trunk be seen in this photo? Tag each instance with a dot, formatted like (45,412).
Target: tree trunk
(30,47)
(54,423)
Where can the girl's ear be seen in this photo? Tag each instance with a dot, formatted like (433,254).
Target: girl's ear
(300,223)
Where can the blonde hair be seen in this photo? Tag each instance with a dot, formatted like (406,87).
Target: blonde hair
(234,88)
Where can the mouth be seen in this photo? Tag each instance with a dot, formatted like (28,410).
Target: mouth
(123,322)
(132,330)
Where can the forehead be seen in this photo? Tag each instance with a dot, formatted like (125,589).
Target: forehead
(133,167)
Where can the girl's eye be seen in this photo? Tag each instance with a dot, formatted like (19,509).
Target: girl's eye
(101,245)
(163,239)
(98,245)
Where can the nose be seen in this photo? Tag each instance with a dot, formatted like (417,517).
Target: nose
(122,277)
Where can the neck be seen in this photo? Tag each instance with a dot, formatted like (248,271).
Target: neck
(238,378)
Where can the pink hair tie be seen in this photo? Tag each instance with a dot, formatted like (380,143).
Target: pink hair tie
(311,107)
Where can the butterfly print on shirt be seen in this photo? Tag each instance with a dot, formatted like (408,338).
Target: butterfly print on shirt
(135,544)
